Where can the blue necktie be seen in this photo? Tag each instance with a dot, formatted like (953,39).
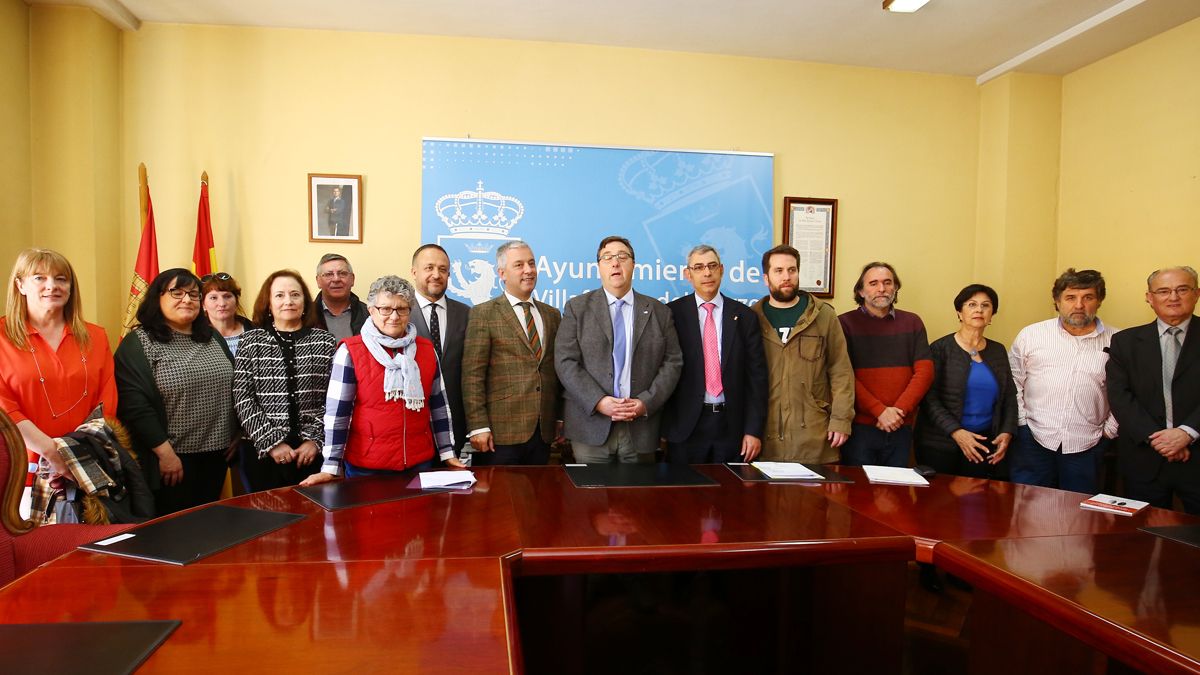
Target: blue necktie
(618,347)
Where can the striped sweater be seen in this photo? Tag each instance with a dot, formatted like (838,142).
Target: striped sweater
(892,362)
(262,390)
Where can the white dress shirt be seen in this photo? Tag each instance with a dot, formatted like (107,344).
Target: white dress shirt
(427,306)
(629,309)
(718,302)
(1162,345)
(1060,382)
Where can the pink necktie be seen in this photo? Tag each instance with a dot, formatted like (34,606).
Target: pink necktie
(712,357)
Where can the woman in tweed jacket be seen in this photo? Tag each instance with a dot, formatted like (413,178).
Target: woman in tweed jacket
(280,376)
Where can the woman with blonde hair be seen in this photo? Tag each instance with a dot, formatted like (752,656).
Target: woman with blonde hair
(55,368)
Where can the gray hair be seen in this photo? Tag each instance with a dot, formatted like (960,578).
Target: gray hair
(503,249)
(330,257)
(1181,268)
(700,249)
(394,285)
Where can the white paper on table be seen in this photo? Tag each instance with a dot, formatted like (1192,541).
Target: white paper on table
(786,470)
(894,475)
(441,479)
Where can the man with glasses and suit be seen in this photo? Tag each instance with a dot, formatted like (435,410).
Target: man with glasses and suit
(618,359)
(1154,390)
(719,407)
(510,390)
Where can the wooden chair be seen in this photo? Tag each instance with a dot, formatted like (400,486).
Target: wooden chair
(24,547)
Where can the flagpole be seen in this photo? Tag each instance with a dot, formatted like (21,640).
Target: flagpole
(143,194)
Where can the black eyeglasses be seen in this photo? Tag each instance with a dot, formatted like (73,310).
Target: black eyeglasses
(219,276)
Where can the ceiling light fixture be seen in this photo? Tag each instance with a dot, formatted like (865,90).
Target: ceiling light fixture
(906,6)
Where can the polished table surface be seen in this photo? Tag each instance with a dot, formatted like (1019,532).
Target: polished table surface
(427,582)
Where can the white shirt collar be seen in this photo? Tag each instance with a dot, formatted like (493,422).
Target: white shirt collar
(514,300)
(718,301)
(1163,326)
(424,302)
(628,297)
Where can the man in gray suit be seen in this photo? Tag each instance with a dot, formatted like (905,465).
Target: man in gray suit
(618,359)
(444,322)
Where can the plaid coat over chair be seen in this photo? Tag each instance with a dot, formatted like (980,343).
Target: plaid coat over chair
(505,387)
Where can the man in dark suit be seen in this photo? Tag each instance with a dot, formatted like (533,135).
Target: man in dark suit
(444,322)
(720,404)
(510,390)
(618,359)
(1159,424)
(337,210)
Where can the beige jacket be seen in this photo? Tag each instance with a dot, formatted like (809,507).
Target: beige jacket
(811,386)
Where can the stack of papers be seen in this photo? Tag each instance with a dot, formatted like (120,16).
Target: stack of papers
(786,470)
(447,479)
(894,475)
(1110,504)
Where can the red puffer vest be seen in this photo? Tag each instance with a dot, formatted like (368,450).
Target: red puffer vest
(386,434)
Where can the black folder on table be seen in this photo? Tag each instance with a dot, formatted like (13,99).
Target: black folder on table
(750,474)
(1184,534)
(343,494)
(636,475)
(194,535)
(99,647)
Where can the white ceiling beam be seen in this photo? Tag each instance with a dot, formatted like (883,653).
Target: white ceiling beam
(1062,38)
(116,13)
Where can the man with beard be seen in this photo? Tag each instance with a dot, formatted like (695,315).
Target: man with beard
(338,310)
(443,322)
(1062,402)
(893,368)
(810,400)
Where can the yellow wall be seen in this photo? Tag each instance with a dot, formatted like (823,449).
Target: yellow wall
(1130,195)
(261,108)
(75,95)
(1015,244)
(15,224)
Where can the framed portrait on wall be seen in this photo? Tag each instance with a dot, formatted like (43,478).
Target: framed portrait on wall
(335,207)
(810,225)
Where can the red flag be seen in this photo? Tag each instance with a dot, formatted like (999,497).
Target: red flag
(204,253)
(146,267)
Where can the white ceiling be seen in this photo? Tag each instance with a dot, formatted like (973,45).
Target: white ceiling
(979,38)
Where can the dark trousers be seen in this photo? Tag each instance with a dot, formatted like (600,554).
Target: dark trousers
(955,463)
(1033,464)
(203,478)
(1161,490)
(265,474)
(535,451)
(870,445)
(711,442)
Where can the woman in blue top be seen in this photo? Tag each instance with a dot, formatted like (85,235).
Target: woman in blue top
(969,416)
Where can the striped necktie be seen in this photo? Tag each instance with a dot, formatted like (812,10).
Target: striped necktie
(535,340)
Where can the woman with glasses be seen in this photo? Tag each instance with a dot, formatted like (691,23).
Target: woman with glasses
(175,380)
(280,376)
(223,307)
(55,368)
(386,408)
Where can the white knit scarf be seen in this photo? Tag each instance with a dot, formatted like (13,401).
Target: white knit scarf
(401,376)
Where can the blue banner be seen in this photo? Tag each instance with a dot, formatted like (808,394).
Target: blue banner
(563,200)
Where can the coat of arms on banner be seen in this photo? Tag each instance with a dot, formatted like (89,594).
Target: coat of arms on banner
(479,221)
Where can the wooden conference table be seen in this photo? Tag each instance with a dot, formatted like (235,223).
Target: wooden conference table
(442,582)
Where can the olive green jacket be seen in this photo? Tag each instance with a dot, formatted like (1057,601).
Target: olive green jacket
(811,389)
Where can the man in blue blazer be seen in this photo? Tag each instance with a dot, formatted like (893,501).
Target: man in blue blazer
(1159,425)
(720,404)
(618,360)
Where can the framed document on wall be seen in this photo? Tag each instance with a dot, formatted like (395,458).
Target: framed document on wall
(810,225)
(335,207)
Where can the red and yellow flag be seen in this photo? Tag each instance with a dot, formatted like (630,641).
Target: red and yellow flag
(146,267)
(204,253)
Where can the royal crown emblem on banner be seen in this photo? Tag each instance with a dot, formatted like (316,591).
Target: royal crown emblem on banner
(479,221)
(663,178)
